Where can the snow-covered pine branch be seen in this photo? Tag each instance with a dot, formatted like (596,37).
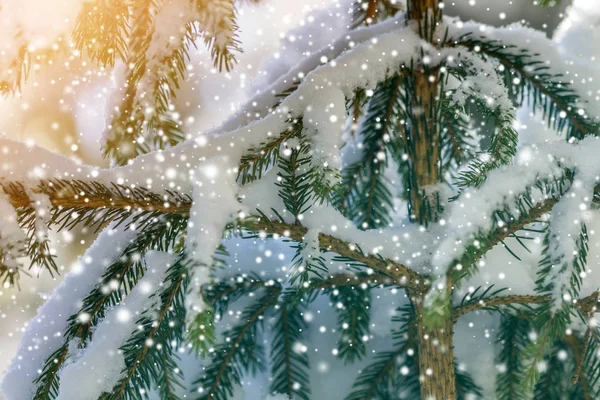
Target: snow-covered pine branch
(278,171)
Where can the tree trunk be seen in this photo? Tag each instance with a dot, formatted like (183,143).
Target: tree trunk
(436,358)
(426,139)
(424,130)
(435,349)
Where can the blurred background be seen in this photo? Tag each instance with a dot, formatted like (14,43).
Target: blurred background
(63,107)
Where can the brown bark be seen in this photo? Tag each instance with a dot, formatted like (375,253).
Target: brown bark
(416,8)
(371,12)
(436,357)
(426,147)
(435,348)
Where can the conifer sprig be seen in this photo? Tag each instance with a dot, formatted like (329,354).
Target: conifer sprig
(353,305)
(153,345)
(366,198)
(102,31)
(289,360)
(530,80)
(242,353)
(118,279)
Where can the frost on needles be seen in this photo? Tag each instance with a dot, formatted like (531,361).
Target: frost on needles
(347,220)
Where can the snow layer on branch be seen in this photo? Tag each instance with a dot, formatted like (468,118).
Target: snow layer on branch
(101,364)
(317,32)
(564,236)
(483,82)
(556,55)
(170,27)
(410,245)
(325,116)
(35,25)
(363,66)
(44,333)
(214,205)
(472,212)
(263,102)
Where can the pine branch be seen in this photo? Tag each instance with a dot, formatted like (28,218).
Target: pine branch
(294,171)
(102,31)
(289,367)
(550,93)
(353,320)
(33,219)
(514,217)
(169,378)
(217,19)
(584,304)
(379,379)
(20,67)
(366,198)
(121,202)
(512,338)
(344,279)
(223,293)
(493,303)
(374,380)
(240,354)
(156,339)
(402,275)
(554,382)
(125,272)
(95,204)
(259,159)
(121,143)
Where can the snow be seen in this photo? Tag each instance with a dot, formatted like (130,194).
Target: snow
(43,334)
(359,58)
(35,25)
(169,30)
(364,65)
(216,21)
(326,117)
(472,212)
(559,56)
(408,244)
(214,205)
(483,82)
(266,99)
(309,252)
(567,218)
(101,364)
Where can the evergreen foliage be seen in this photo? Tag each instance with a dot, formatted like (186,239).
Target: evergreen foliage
(416,155)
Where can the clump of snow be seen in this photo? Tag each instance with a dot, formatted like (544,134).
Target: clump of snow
(326,116)
(169,30)
(101,363)
(309,252)
(483,82)
(214,204)
(44,333)
(567,218)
